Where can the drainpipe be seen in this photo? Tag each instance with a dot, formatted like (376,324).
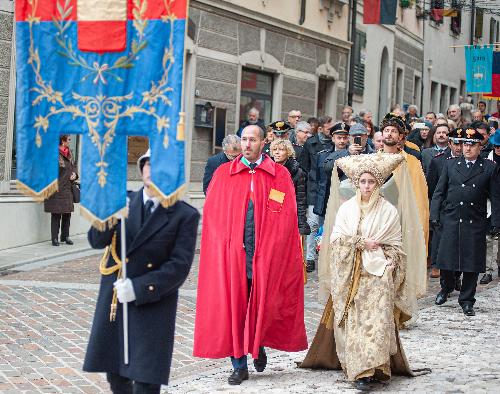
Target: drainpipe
(302,12)
(350,91)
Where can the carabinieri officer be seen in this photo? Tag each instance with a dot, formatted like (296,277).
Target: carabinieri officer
(459,207)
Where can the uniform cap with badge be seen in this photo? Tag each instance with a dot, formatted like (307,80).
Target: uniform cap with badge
(467,136)
(340,128)
(280,127)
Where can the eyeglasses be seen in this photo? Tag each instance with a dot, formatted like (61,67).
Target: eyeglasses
(295,116)
(496,146)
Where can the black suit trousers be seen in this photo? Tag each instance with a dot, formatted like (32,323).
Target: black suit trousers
(121,385)
(469,284)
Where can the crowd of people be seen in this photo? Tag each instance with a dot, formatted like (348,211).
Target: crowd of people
(416,194)
(387,200)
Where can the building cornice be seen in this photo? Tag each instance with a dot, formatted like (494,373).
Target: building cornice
(7,5)
(224,8)
(409,36)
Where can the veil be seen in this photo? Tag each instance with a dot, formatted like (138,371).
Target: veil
(398,190)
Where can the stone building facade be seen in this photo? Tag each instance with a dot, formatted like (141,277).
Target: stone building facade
(227,48)
(237,57)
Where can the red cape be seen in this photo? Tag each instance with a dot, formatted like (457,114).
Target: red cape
(227,323)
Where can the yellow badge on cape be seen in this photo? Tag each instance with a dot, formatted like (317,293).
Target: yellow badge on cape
(277,196)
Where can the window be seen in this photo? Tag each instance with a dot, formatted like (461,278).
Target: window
(399,86)
(359,63)
(437,11)
(443,103)
(493,31)
(453,96)
(417,89)
(325,104)
(434,98)
(478,30)
(256,91)
(462,90)
(456,21)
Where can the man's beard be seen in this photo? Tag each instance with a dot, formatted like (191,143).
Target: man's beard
(252,121)
(390,142)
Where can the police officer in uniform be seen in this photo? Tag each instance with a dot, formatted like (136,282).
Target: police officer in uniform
(459,207)
(281,131)
(160,249)
(324,174)
(434,170)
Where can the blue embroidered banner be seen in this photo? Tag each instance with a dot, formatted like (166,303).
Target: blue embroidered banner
(478,61)
(105,70)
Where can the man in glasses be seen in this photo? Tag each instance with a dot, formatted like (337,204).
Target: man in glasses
(294,116)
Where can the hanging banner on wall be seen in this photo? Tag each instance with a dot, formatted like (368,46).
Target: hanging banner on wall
(495,78)
(478,63)
(105,70)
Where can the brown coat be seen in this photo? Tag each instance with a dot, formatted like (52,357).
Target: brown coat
(62,200)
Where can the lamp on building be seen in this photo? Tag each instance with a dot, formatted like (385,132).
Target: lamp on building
(204,115)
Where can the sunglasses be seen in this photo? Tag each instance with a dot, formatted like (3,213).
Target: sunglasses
(496,146)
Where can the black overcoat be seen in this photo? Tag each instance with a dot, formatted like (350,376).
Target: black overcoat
(459,203)
(160,254)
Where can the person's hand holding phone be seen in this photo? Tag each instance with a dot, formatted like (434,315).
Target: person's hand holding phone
(356,148)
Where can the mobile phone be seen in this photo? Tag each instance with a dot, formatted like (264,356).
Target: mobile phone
(357,140)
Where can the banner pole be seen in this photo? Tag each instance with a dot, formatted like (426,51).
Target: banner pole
(123,254)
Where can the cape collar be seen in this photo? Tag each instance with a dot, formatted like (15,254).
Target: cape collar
(267,165)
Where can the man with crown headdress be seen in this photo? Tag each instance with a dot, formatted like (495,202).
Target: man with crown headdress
(459,209)
(393,131)
(367,277)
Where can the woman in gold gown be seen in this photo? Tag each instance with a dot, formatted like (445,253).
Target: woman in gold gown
(368,289)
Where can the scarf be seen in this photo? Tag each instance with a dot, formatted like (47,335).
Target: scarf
(64,150)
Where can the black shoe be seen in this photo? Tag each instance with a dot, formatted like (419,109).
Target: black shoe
(238,376)
(468,310)
(310,266)
(458,284)
(363,384)
(67,241)
(441,298)
(487,278)
(55,242)
(261,362)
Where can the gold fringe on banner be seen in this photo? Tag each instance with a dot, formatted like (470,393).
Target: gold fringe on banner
(41,195)
(105,224)
(171,199)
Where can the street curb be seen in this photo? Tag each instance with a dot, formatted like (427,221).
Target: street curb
(58,257)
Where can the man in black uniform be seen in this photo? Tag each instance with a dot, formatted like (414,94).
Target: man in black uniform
(281,131)
(434,170)
(459,206)
(160,249)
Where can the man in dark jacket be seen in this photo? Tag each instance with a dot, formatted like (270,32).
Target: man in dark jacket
(308,162)
(340,138)
(160,249)
(252,119)
(459,206)
(231,149)
(358,144)
(432,176)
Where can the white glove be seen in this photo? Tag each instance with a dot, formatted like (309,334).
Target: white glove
(124,290)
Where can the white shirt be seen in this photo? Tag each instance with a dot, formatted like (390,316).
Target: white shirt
(146,198)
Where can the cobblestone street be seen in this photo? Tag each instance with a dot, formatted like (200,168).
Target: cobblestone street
(46,313)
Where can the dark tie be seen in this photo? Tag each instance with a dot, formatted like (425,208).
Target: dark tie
(252,166)
(469,164)
(148,207)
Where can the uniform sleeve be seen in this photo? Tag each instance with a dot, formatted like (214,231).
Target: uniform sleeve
(155,285)
(439,193)
(495,196)
(100,239)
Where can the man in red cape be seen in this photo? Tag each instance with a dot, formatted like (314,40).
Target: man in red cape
(250,286)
